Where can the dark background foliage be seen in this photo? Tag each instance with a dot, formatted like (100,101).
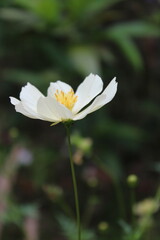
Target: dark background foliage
(42,41)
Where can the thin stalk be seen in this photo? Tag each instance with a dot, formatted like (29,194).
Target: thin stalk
(132,202)
(120,200)
(74,182)
(144,228)
(117,189)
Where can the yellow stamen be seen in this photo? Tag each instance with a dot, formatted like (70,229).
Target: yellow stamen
(67,99)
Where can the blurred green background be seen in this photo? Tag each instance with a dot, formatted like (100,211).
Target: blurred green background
(42,41)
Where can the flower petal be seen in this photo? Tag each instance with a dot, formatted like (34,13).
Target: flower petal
(20,108)
(14,100)
(31,111)
(61,86)
(100,100)
(87,90)
(51,110)
(30,96)
(28,104)
(110,90)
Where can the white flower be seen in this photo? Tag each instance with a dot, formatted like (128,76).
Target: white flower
(61,103)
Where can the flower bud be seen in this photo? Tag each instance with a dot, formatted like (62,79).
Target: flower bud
(132,180)
(54,192)
(103,226)
(13,132)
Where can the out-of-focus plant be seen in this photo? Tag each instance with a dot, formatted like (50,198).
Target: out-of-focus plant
(44,40)
(69,229)
(16,214)
(83,147)
(144,211)
(71,36)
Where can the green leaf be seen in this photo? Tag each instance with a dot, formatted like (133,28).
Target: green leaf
(155,16)
(84,9)
(49,10)
(40,80)
(13,14)
(96,7)
(122,34)
(85,59)
(133,29)
(70,230)
(30,4)
(30,210)
(113,166)
(125,134)
(131,52)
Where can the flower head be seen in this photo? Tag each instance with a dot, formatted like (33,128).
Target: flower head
(61,103)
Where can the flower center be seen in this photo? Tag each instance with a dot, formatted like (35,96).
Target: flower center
(67,99)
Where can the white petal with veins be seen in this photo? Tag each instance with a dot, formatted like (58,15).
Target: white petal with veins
(51,110)
(100,100)
(14,101)
(20,108)
(87,90)
(30,96)
(60,86)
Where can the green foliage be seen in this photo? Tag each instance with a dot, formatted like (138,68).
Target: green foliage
(40,79)
(15,213)
(84,38)
(134,29)
(130,50)
(48,10)
(129,135)
(69,229)
(84,144)
(112,165)
(85,59)
(122,35)
(82,10)
(40,173)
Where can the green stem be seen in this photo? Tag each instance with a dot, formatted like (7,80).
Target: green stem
(117,189)
(120,199)
(132,202)
(74,182)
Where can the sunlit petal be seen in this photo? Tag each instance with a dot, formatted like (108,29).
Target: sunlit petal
(21,109)
(14,101)
(87,90)
(51,110)
(100,100)
(30,95)
(60,86)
